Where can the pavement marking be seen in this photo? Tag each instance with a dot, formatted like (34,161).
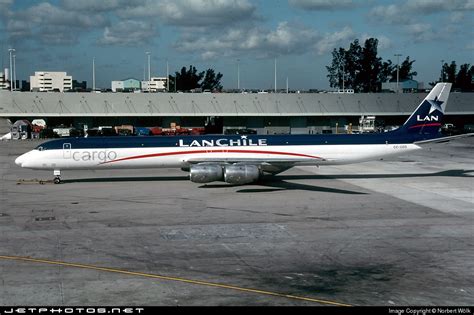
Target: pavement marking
(176,279)
(33,181)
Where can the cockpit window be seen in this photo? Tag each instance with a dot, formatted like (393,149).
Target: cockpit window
(40,148)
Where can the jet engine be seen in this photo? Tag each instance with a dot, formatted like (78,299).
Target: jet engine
(205,173)
(241,174)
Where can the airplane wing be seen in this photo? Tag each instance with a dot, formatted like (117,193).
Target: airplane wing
(272,166)
(444,139)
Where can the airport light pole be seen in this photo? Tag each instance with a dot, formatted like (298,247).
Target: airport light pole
(14,73)
(398,70)
(343,77)
(11,50)
(275,75)
(93,73)
(442,71)
(149,71)
(238,74)
(167,76)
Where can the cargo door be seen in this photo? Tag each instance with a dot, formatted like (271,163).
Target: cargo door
(66,150)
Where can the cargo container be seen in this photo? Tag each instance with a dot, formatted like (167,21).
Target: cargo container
(21,129)
(142,131)
(156,131)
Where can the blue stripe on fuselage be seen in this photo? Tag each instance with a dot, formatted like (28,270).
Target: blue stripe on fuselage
(233,140)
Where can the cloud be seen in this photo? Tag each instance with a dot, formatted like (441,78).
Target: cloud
(47,14)
(286,39)
(5,6)
(420,32)
(384,41)
(46,23)
(128,32)
(411,11)
(457,17)
(435,6)
(414,18)
(189,13)
(94,5)
(290,38)
(334,40)
(320,5)
(390,14)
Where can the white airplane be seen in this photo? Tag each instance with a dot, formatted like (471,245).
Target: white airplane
(241,159)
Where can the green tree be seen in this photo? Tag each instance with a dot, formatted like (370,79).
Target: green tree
(464,78)
(370,66)
(405,71)
(172,83)
(335,70)
(352,66)
(462,81)
(449,72)
(211,81)
(359,67)
(189,79)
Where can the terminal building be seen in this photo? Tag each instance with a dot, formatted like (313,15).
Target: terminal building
(156,84)
(404,86)
(272,113)
(129,85)
(4,80)
(47,81)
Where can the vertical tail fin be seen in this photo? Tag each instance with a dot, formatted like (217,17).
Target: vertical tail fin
(428,117)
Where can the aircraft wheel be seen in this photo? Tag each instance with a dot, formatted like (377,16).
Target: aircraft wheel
(57,180)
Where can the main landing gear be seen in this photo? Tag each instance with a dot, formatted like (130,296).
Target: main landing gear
(57,177)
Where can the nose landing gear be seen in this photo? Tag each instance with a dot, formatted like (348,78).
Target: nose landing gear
(57,177)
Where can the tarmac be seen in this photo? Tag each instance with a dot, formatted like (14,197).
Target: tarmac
(392,232)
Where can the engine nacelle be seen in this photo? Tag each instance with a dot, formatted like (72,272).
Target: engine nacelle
(241,174)
(205,173)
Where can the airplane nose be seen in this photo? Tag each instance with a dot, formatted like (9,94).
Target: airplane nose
(22,159)
(19,160)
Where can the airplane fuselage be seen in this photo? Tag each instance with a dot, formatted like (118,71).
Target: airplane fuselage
(175,151)
(240,159)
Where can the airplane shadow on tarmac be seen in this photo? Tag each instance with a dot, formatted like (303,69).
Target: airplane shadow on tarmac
(449,173)
(275,183)
(127,179)
(281,182)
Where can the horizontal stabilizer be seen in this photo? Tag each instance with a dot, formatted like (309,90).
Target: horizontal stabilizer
(445,139)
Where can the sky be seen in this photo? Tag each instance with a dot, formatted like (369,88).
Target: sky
(65,35)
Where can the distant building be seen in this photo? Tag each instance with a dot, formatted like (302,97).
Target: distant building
(127,85)
(405,86)
(50,81)
(157,84)
(131,84)
(25,86)
(4,80)
(79,86)
(117,86)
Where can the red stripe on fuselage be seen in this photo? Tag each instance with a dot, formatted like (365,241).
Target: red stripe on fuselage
(213,151)
(425,125)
